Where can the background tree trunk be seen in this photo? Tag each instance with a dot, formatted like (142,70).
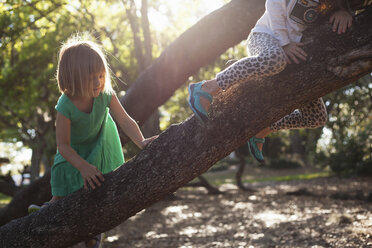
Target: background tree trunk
(186,150)
(146,33)
(36,158)
(131,13)
(297,146)
(241,153)
(144,57)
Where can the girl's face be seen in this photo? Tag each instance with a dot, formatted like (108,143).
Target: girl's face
(98,80)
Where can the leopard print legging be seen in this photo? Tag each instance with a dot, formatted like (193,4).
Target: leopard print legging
(267,58)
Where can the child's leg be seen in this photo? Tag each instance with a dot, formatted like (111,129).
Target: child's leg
(265,58)
(312,115)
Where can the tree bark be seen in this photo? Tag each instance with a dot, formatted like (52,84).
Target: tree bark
(186,150)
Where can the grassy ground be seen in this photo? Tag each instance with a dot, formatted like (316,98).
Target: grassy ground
(4,200)
(258,173)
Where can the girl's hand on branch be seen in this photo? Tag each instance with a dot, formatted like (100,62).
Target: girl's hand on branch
(294,52)
(341,21)
(92,176)
(147,141)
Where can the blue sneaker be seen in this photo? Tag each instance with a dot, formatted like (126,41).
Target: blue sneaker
(195,92)
(253,149)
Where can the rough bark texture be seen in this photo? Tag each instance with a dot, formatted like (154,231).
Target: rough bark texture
(186,150)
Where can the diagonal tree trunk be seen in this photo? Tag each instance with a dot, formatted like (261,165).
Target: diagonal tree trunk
(186,150)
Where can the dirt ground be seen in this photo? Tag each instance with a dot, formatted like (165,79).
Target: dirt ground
(323,212)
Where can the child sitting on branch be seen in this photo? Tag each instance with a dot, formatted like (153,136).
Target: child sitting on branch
(273,43)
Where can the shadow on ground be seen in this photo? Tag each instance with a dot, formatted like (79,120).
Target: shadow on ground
(304,213)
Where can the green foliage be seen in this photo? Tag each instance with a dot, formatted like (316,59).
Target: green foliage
(4,200)
(350,148)
(354,156)
(28,48)
(276,145)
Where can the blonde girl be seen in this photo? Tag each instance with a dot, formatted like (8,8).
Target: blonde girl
(88,143)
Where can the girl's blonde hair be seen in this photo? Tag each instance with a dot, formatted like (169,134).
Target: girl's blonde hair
(78,60)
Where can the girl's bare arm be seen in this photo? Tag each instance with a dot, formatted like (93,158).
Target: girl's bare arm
(127,124)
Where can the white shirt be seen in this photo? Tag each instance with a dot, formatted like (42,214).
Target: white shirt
(276,21)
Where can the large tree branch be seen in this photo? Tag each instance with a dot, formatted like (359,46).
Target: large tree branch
(187,150)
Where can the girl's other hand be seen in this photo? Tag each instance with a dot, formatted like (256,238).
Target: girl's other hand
(92,176)
(341,21)
(294,52)
(147,141)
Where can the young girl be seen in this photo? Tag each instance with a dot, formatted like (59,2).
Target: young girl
(87,138)
(272,43)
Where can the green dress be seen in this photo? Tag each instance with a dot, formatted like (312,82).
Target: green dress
(94,137)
